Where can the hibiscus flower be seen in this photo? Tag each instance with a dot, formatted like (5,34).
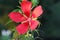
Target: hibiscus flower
(28,18)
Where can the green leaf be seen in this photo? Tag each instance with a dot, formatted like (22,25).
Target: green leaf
(27,36)
(15,35)
(35,2)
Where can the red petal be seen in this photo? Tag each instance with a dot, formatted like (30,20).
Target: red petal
(22,28)
(37,12)
(26,7)
(34,24)
(17,17)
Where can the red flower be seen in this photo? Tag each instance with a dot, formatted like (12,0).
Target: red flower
(27,18)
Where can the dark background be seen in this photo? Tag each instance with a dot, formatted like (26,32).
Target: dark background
(50,27)
(50,19)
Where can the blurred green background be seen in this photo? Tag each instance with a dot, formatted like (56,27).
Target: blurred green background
(6,6)
(50,19)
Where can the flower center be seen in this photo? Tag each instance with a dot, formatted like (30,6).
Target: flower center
(28,19)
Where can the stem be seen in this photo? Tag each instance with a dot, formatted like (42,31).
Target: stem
(8,22)
(37,32)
